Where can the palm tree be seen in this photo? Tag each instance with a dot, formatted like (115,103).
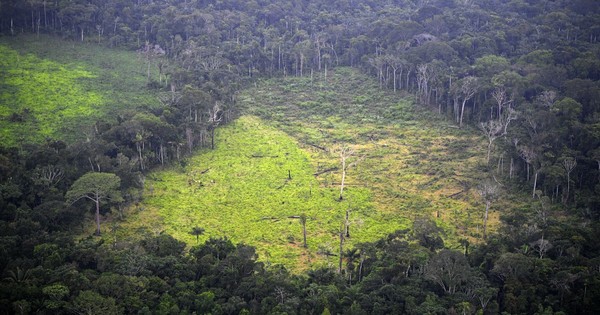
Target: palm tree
(197,231)
(18,276)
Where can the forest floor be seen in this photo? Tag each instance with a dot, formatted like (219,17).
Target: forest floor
(51,88)
(281,159)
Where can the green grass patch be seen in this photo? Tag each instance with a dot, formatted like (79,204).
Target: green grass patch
(416,163)
(411,163)
(242,190)
(55,88)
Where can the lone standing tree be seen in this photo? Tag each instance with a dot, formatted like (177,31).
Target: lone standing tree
(197,231)
(95,186)
(345,154)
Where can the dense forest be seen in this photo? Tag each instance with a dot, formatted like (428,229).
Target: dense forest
(524,74)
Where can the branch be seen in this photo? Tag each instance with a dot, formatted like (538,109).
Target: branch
(81,197)
(360,159)
(499,183)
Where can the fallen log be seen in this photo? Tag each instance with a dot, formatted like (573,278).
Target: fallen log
(326,171)
(316,146)
(456,194)
(274,219)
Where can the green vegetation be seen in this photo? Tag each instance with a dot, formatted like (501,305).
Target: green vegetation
(96,187)
(472,127)
(243,190)
(407,166)
(50,88)
(414,163)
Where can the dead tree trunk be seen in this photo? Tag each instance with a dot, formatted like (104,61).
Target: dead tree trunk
(97,201)
(535,182)
(345,154)
(488,191)
(341,250)
(347,224)
(303,222)
(569,164)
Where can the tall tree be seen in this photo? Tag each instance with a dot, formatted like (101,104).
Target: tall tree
(531,156)
(397,64)
(215,118)
(502,100)
(569,164)
(95,186)
(423,76)
(345,154)
(493,129)
(449,269)
(465,89)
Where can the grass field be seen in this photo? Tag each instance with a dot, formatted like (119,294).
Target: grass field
(416,163)
(409,163)
(243,190)
(55,88)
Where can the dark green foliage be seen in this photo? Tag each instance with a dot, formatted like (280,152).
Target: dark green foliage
(96,187)
(163,245)
(428,234)
(217,248)
(90,302)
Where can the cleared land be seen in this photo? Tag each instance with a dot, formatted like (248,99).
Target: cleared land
(57,89)
(243,190)
(409,163)
(280,160)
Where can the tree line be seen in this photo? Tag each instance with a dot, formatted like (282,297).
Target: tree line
(407,272)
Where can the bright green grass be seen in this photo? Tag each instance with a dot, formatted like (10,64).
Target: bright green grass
(59,89)
(416,164)
(241,190)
